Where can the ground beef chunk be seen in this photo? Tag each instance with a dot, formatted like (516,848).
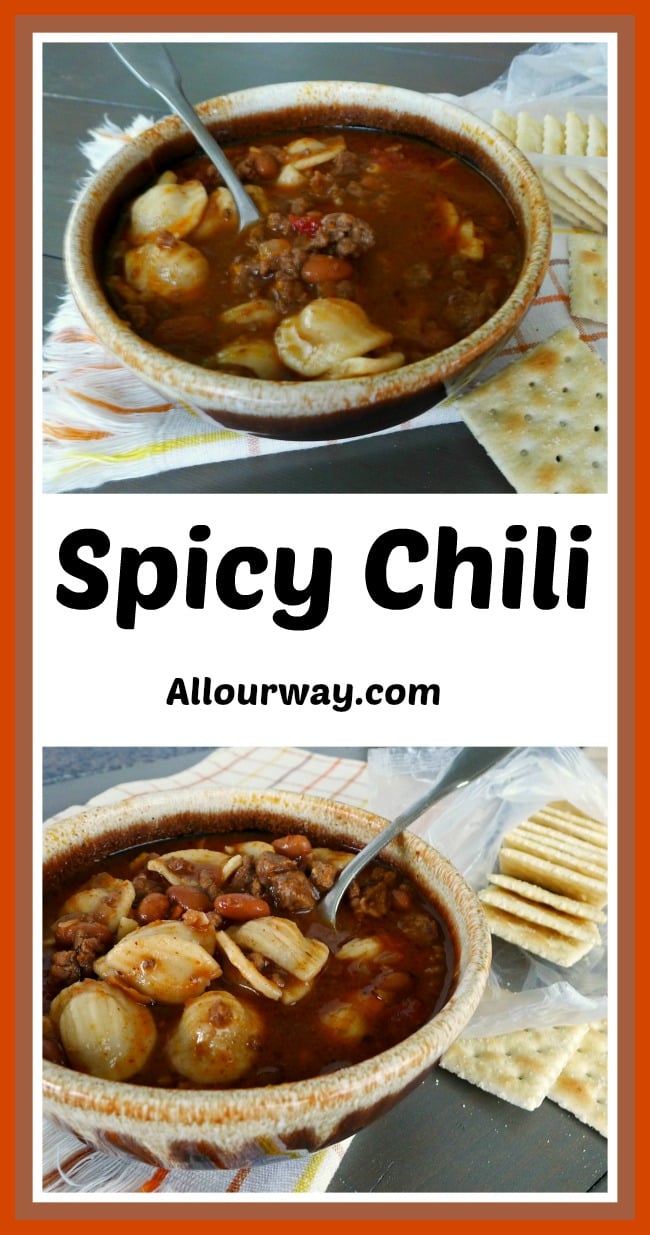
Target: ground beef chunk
(147,881)
(302,205)
(201,168)
(323,876)
(86,954)
(343,234)
(208,883)
(269,865)
(64,969)
(71,931)
(286,262)
(80,941)
(320,183)
(346,163)
(466,309)
(372,899)
(420,929)
(292,891)
(245,878)
(280,223)
(277,272)
(245,278)
(289,887)
(289,294)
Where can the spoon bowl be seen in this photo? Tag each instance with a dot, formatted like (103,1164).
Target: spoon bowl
(468,765)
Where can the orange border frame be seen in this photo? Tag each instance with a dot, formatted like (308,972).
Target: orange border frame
(16,639)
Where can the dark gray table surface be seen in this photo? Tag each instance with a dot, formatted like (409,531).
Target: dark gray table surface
(84,83)
(446,1136)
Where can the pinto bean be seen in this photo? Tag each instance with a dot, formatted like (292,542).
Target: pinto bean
(393,987)
(152,908)
(401,898)
(189,897)
(53,1051)
(293,846)
(241,906)
(266,165)
(322,268)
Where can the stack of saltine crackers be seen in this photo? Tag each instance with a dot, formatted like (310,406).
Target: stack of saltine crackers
(543,419)
(577,190)
(547,897)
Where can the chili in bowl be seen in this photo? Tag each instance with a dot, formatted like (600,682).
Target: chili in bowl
(400,242)
(198,1012)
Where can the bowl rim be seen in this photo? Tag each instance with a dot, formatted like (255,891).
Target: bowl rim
(284,400)
(414,1055)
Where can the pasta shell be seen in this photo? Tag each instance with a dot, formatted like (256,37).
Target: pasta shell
(216,1040)
(233,864)
(362,366)
(103,1031)
(251,313)
(185,865)
(302,147)
(328,151)
(173,271)
(282,942)
(104,898)
(343,1021)
(246,968)
(324,333)
(256,192)
(336,857)
(259,355)
(468,243)
(220,215)
(254,848)
(290,178)
(163,962)
(170,207)
(294,990)
(360,949)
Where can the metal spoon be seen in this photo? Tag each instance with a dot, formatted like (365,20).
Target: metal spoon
(469,764)
(152,64)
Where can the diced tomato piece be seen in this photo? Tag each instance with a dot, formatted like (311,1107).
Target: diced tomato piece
(308,224)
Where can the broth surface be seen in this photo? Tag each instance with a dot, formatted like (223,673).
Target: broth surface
(416,240)
(385,970)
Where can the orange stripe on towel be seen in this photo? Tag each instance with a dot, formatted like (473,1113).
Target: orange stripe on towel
(113,137)
(68,434)
(67,1165)
(156,1180)
(240,1178)
(72,334)
(113,407)
(559,297)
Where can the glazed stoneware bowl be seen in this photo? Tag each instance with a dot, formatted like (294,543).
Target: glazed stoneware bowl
(231,1128)
(308,409)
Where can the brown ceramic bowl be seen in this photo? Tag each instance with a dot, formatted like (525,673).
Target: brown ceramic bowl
(234,1127)
(308,409)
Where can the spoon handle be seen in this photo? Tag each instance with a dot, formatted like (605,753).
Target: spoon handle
(469,764)
(153,65)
